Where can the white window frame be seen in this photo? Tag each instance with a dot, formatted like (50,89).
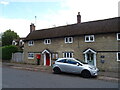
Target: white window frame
(89,36)
(30,55)
(67,54)
(47,41)
(21,42)
(117,36)
(14,42)
(117,56)
(30,43)
(67,40)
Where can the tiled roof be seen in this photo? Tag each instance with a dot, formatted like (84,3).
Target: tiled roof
(93,27)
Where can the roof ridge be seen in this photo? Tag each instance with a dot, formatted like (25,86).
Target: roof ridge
(56,27)
(77,23)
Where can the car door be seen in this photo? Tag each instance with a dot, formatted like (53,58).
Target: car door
(71,66)
(62,65)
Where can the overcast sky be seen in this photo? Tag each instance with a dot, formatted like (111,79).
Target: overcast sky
(17,15)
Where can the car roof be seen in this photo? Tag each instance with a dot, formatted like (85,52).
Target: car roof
(64,58)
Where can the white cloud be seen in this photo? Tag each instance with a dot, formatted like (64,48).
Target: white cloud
(33,0)
(93,9)
(90,10)
(4,2)
(20,26)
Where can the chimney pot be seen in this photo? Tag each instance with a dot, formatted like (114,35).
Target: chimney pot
(32,27)
(78,18)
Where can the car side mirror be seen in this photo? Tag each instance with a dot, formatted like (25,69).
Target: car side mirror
(78,64)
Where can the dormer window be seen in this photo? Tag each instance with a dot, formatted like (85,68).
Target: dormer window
(47,41)
(89,38)
(30,43)
(14,42)
(118,36)
(68,39)
(21,42)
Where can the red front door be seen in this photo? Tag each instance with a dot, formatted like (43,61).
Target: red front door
(47,59)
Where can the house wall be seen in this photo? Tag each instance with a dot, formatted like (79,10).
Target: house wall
(105,45)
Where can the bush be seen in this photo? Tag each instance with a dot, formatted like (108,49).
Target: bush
(7,52)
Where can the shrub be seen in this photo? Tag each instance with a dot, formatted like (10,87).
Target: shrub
(7,52)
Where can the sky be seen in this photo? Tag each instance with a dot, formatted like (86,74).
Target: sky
(17,15)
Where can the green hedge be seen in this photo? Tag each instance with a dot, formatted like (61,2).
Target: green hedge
(0,52)
(7,52)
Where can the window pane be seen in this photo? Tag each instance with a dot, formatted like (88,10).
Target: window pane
(69,61)
(72,62)
(67,55)
(66,40)
(118,56)
(45,41)
(87,38)
(32,42)
(55,56)
(70,39)
(91,38)
(70,55)
(48,41)
(30,55)
(118,36)
(63,61)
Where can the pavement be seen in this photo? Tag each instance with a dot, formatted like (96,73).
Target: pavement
(107,76)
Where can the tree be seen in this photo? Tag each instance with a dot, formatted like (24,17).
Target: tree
(0,39)
(8,36)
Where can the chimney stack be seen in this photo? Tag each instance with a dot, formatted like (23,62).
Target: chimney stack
(32,27)
(78,18)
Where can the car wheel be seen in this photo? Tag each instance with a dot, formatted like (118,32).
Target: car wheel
(86,74)
(57,70)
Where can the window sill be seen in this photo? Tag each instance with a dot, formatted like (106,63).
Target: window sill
(89,41)
(68,42)
(118,60)
(47,44)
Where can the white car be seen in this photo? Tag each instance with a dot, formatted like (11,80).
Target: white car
(72,65)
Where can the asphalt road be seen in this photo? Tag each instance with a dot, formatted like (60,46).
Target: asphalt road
(14,78)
